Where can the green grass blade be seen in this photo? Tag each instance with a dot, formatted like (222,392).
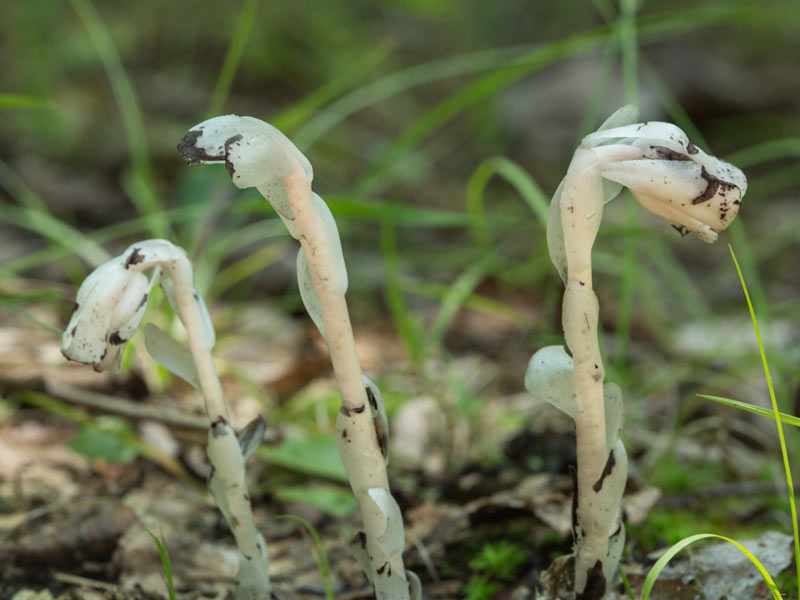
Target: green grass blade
(516,176)
(320,556)
(408,327)
(629,48)
(457,294)
(752,408)
(140,182)
(626,584)
(232,58)
(469,95)
(162,551)
(12,304)
(394,213)
(304,111)
(629,51)
(56,231)
(776,413)
(246,267)
(650,580)
(765,152)
(401,81)
(21,101)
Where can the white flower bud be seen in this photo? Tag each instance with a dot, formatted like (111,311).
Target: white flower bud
(108,309)
(254,152)
(674,178)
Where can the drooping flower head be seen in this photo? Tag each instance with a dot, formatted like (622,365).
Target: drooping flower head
(112,300)
(675,179)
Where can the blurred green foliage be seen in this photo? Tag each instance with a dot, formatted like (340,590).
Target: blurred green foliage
(407,108)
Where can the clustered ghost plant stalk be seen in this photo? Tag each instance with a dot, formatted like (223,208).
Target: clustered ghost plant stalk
(109,308)
(697,193)
(257,155)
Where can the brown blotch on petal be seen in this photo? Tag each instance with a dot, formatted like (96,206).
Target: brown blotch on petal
(228,143)
(115,339)
(606,472)
(692,149)
(135,258)
(664,153)
(711,188)
(194,154)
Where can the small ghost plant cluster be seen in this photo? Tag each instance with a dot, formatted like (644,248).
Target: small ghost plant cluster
(697,193)
(110,306)
(257,155)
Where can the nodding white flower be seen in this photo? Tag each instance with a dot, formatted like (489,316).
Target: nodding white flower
(675,179)
(108,309)
(255,153)
(112,301)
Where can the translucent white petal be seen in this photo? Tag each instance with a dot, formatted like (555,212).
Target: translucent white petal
(677,182)
(307,292)
(392,540)
(336,275)
(611,190)
(555,235)
(616,545)
(274,191)
(625,115)
(208,335)
(549,376)
(171,354)
(253,151)
(379,415)
(250,437)
(414,586)
(358,547)
(666,134)
(168,287)
(615,413)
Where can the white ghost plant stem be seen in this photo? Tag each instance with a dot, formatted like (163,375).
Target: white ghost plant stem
(109,308)
(698,193)
(258,155)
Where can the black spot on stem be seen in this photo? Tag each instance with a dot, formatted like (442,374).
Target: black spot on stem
(595,584)
(349,411)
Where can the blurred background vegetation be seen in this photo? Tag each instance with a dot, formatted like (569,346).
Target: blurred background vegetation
(438,129)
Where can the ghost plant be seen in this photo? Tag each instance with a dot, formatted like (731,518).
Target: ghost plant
(257,155)
(109,308)
(697,193)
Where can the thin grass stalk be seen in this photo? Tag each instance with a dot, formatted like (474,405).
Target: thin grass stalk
(777,415)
